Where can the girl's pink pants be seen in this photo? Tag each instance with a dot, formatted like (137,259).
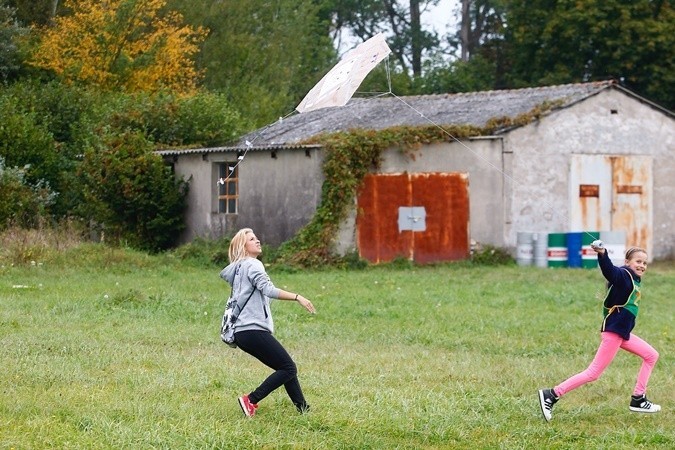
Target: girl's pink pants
(609,346)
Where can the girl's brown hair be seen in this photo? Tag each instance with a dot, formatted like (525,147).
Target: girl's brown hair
(632,251)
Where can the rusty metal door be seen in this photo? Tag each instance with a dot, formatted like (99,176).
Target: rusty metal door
(613,193)
(437,205)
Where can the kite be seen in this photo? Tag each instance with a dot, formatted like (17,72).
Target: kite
(340,83)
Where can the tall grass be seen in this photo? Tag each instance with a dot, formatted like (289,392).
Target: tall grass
(105,349)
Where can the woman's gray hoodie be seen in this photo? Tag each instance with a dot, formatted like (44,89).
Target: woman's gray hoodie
(244,276)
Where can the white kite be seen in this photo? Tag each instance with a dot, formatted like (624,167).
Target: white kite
(338,85)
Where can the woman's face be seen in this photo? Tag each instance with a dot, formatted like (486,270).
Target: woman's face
(638,263)
(252,247)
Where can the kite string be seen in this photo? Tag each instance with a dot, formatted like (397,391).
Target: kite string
(249,145)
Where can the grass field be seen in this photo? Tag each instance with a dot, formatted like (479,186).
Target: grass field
(110,349)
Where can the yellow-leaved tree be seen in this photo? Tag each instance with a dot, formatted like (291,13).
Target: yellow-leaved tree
(130,45)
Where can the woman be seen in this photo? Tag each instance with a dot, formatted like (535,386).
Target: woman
(620,311)
(252,288)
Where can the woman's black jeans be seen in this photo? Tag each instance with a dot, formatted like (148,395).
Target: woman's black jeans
(264,346)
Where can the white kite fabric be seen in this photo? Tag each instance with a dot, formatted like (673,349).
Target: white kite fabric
(338,85)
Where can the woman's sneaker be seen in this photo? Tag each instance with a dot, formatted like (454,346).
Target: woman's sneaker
(247,407)
(546,400)
(639,403)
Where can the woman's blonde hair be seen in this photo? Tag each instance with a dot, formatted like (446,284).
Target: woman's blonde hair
(237,250)
(632,251)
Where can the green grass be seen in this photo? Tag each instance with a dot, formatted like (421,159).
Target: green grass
(111,349)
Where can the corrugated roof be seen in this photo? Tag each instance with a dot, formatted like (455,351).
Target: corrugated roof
(191,151)
(376,113)
(471,108)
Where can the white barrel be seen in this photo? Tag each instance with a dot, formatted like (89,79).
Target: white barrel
(524,250)
(615,243)
(540,249)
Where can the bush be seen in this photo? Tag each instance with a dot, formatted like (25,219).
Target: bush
(22,203)
(489,255)
(132,194)
(353,261)
(204,252)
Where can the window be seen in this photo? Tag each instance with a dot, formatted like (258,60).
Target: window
(228,188)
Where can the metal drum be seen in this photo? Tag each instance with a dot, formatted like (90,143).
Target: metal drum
(524,249)
(557,250)
(574,249)
(540,246)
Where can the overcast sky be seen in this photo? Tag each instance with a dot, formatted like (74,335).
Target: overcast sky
(442,18)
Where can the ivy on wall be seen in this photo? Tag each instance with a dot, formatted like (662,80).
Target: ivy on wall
(350,155)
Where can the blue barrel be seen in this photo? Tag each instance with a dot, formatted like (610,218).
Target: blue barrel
(574,249)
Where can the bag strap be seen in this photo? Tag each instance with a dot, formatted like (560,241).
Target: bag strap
(234,318)
(243,306)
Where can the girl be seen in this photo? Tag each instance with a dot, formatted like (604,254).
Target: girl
(254,326)
(620,308)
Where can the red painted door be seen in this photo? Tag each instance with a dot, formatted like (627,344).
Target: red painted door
(441,235)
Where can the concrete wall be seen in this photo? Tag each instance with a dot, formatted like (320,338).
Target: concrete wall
(610,123)
(277,196)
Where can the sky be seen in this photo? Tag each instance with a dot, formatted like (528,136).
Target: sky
(442,16)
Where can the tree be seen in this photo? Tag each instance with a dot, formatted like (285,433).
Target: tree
(633,41)
(263,55)
(10,32)
(482,24)
(35,12)
(408,41)
(121,44)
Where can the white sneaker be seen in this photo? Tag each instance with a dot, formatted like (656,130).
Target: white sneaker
(642,405)
(546,401)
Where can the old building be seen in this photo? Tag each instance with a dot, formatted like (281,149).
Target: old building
(599,157)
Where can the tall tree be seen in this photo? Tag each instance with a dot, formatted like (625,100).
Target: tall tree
(482,24)
(10,32)
(121,44)
(264,55)
(35,12)
(553,41)
(400,21)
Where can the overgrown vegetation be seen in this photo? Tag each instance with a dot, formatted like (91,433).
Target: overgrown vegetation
(24,246)
(489,255)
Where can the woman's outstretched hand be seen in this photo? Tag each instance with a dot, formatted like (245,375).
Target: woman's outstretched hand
(306,304)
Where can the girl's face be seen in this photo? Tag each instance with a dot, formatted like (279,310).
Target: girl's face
(638,263)
(252,247)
